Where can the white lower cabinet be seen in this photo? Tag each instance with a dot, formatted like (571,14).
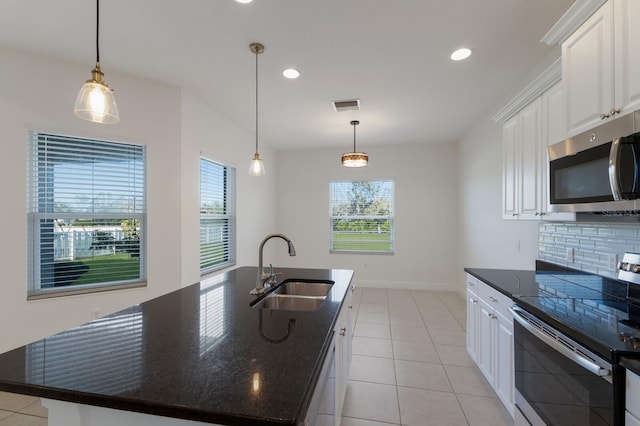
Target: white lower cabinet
(632,399)
(332,385)
(343,337)
(490,338)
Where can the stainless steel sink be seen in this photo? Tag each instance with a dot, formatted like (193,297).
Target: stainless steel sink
(287,302)
(302,288)
(297,295)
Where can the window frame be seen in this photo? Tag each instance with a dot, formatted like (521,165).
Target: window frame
(229,207)
(38,211)
(390,217)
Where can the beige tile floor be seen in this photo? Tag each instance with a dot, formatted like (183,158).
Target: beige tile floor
(409,367)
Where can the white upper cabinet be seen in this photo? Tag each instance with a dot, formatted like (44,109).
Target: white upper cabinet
(510,168)
(601,65)
(525,138)
(627,54)
(554,130)
(531,167)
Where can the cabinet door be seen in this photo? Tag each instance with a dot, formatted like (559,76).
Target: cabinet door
(472,321)
(504,373)
(627,54)
(485,340)
(587,71)
(554,130)
(343,332)
(510,168)
(530,132)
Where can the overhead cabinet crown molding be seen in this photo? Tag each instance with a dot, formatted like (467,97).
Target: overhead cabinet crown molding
(547,79)
(577,14)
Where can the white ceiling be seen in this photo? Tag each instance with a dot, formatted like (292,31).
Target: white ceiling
(392,54)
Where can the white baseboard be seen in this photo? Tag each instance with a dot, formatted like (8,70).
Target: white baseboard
(408,285)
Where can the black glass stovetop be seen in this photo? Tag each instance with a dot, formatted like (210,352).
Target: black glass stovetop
(592,310)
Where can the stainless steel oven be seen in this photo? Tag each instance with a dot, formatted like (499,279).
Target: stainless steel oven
(557,380)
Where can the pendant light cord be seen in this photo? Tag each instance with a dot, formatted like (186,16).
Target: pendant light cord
(354,137)
(256,101)
(97,31)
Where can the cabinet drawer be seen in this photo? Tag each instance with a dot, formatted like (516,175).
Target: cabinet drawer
(473,283)
(495,299)
(632,402)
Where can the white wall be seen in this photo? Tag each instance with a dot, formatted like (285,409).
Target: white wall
(425,179)
(206,131)
(38,93)
(485,240)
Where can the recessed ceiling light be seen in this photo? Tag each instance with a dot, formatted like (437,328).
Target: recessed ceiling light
(461,54)
(291,73)
(244,1)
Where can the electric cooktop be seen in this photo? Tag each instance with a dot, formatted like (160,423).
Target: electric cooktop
(596,311)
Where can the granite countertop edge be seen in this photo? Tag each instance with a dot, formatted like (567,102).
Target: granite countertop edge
(323,320)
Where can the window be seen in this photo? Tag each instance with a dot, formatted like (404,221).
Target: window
(217,216)
(86,214)
(361,216)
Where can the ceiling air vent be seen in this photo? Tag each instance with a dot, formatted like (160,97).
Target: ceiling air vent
(346,105)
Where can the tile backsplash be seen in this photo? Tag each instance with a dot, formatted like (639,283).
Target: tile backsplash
(591,247)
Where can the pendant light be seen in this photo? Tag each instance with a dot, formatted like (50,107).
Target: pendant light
(256,168)
(355,159)
(95,101)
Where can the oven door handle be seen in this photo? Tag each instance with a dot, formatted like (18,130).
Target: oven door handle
(575,357)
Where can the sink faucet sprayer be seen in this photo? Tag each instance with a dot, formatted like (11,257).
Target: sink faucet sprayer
(265,281)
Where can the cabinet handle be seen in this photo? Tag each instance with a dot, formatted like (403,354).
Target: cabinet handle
(536,213)
(343,331)
(473,301)
(614,111)
(514,214)
(350,306)
(603,116)
(493,299)
(470,284)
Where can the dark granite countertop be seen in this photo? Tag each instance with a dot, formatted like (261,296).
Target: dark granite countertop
(200,353)
(509,282)
(589,308)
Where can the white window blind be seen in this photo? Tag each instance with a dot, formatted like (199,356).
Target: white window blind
(86,213)
(217,216)
(361,217)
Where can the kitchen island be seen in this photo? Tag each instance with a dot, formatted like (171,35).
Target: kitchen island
(204,353)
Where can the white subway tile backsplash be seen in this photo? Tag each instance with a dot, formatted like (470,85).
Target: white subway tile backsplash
(593,244)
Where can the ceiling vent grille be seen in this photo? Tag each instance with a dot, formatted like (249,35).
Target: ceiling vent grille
(346,105)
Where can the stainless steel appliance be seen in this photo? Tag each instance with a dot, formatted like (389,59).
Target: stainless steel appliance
(558,381)
(598,170)
(570,331)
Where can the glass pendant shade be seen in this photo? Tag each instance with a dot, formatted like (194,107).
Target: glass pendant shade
(355,159)
(256,168)
(95,101)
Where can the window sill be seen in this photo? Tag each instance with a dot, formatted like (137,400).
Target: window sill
(62,292)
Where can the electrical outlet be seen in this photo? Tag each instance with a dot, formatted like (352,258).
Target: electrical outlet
(570,254)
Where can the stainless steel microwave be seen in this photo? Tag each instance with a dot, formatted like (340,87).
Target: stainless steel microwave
(598,170)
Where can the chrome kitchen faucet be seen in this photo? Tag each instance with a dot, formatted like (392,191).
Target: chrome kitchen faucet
(265,281)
